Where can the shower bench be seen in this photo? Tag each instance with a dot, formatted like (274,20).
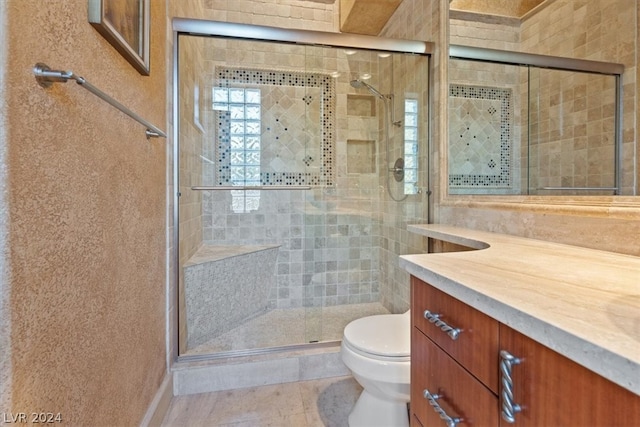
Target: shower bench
(224,285)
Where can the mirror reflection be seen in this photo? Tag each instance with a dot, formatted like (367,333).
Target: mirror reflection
(517,129)
(520,128)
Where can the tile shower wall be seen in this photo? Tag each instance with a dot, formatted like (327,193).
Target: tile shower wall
(480,135)
(485,128)
(413,20)
(328,236)
(295,143)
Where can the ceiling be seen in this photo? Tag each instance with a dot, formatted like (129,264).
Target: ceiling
(370,16)
(510,8)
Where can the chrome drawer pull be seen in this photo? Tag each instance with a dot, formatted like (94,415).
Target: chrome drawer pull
(435,319)
(509,408)
(432,398)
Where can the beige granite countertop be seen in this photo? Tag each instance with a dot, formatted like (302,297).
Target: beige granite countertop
(583,303)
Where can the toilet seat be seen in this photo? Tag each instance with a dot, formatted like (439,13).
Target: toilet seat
(384,337)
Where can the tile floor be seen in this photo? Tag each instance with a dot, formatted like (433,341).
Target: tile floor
(317,403)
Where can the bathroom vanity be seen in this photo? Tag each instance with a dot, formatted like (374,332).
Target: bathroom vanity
(524,332)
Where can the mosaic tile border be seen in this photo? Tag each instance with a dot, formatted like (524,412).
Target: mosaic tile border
(503,179)
(227,76)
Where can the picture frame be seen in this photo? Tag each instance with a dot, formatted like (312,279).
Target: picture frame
(125,24)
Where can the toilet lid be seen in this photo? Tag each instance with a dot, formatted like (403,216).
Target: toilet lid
(382,335)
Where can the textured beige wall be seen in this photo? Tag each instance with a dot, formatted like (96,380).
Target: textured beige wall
(5,326)
(86,200)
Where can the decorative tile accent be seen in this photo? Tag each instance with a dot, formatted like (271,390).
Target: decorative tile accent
(480,131)
(298,116)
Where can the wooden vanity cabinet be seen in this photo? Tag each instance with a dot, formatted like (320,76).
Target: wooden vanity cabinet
(555,391)
(459,394)
(550,389)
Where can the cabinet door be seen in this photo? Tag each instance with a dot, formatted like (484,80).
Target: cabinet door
(555,391)
(460,395)
(475,347)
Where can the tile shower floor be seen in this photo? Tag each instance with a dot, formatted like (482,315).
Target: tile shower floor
(281,327)
(317,403)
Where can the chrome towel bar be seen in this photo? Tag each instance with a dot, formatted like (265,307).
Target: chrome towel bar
(45,77)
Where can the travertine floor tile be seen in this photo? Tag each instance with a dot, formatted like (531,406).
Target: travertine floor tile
(191,410)
(318,403)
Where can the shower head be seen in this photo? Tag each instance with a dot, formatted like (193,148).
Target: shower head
(357,83)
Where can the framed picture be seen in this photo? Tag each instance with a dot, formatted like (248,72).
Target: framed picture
(125,24)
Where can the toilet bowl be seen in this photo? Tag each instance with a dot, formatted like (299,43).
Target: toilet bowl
(377,351)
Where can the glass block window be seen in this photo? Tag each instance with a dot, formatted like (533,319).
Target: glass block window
(243,109)
(410,146)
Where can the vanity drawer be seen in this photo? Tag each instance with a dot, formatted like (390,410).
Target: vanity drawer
(458,393)
(476,344)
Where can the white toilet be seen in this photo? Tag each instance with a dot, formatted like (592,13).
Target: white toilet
(377,351)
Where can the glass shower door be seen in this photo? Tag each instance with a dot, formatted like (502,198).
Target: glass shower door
(284,188)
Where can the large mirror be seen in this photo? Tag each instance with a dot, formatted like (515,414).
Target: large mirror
(539,113)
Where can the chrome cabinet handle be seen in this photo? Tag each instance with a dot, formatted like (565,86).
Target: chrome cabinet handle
(435,319)
(509,407)
(432,398)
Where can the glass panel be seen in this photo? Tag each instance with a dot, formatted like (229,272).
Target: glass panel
(237,142)
(571,133)
(220,95)
(237,127)
(236,111)
(236,95)
(411,146)
(527,130)
(289,260)
(253,143)
(252,112)
(252,127)
(252,96)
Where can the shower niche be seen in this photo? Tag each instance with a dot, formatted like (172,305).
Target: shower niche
(361,152)
(278,166)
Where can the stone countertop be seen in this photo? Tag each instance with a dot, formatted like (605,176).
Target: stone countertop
(582,303)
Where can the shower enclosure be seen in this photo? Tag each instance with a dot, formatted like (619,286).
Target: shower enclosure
(300,158)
